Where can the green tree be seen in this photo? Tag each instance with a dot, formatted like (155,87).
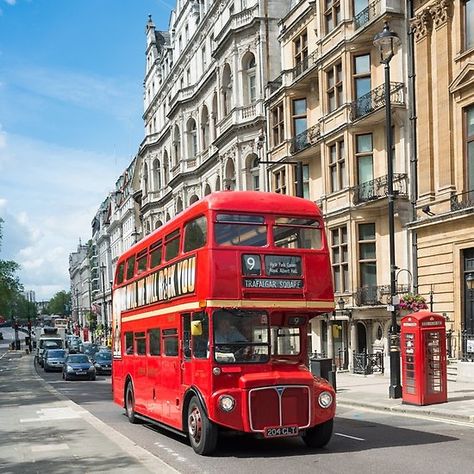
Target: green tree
(10,286)
(60,303)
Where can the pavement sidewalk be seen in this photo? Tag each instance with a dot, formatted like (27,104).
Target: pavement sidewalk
(42,431)
(371,391)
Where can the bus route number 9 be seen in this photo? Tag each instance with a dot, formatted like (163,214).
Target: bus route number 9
(251,264)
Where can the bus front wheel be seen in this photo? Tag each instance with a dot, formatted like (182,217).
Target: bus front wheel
(130,404)
(202,432)
(319,436)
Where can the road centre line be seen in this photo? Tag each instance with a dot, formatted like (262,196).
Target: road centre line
(350,437)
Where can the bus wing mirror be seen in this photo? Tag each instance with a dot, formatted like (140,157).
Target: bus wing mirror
(196,328)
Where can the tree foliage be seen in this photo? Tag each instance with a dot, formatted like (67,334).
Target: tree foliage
(10,286)
(60,303)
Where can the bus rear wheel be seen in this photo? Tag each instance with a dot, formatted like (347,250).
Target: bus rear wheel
(130,404)
(319,435)
(202,432)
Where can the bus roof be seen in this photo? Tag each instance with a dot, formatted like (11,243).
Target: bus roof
(236,201)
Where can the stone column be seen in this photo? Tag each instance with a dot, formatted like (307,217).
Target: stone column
(353,344)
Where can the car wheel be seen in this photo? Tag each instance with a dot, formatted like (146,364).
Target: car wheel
(92,377)
(130,404)
(319,436)
(202,432)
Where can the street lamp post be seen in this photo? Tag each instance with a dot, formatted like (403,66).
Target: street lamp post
(386,42)
(102,272)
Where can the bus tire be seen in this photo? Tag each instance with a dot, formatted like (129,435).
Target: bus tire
(319,435)
(201,431)
(130,404)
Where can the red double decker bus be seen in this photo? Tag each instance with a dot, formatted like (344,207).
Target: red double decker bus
(210,321)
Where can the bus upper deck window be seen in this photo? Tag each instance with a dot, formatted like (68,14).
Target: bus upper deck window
(142,261)
(120,273)
(172,245)
(297,233)
(195,234)
(155,254)
(130,267)
(240,230)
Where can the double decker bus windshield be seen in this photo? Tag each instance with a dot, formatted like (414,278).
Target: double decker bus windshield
(240,336)
(241,230)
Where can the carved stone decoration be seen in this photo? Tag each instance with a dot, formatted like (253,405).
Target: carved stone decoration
(441,12)
(421,25)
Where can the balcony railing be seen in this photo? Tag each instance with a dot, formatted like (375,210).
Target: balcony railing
(377,295)
(304,65)
(462,201)
(375,99)
(378,188)
(275,84)
(306,139)
(371,11)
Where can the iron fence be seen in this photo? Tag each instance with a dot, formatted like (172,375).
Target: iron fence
(303,140)
(467,341)
(371,11)
(367,364)
(378,188)
(462,201)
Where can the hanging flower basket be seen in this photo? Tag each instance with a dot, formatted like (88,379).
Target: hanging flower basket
(412,303)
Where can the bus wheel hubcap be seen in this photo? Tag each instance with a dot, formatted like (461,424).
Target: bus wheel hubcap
(195,424)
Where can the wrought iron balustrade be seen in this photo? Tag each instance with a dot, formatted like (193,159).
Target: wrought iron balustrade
(367,364)
(371,11)
(304,65)
(462,200)
(378,188)
(275,84)
(375,295)
(375,100)
(467,341)
(306,139)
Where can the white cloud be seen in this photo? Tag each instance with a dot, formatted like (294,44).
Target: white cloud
(48,197)
(10,2)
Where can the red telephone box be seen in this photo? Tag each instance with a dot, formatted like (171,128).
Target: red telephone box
(423,350)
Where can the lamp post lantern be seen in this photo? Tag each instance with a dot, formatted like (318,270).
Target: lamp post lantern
(387,42)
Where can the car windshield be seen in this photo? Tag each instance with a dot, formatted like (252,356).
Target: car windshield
(52,344)
(240,336)
(78,359)
(103,356)
(56,353)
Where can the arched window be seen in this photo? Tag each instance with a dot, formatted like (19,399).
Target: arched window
(179,205)
(207,190)
(176,145)
(145,179)
(192,139)
(214,114)
(250,78)
(226,90)
(166,168)
(252,169)
(229,181)
(218,183)
(193,199)
(204,127)
(156,175)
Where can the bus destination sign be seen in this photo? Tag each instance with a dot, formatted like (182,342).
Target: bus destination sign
(282,265)
(273,283)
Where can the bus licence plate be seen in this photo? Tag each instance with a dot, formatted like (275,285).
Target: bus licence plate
(280,431)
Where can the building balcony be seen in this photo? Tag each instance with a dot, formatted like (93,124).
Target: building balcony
(375,100)
(378,188)
(304,65)
(367,14)
(462,201)
(377,295)
(237,21)
(306,139)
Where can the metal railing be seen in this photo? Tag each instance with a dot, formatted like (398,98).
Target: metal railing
(462,201)
(275,84)
(367,364)
(467,341)
(375,99)
(378,188)
(371,11)
(377,294)
(306,139)
(304,65)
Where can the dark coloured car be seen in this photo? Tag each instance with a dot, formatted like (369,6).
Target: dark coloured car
(78,366)
(74,345)
(89,348)
(53,359)
(103,362)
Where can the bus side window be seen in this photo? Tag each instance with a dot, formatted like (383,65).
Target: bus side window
(128,343)
(170,342)
(154,342)
(195,234)
(187,336)
(201,342)
(155,254)
(130,267)
(120,273)
(172,245)
(140,343)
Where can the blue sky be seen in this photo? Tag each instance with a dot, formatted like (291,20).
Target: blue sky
(71,89)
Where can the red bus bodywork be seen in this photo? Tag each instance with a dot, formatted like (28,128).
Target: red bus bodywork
(275,395)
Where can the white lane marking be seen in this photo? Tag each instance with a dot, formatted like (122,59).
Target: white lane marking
(53,414)
(49,447)
(350,437)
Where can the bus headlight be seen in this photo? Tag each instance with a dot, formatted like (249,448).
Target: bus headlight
(325,399)
(226,403)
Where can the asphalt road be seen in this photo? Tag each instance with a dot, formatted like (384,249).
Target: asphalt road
(364,441)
